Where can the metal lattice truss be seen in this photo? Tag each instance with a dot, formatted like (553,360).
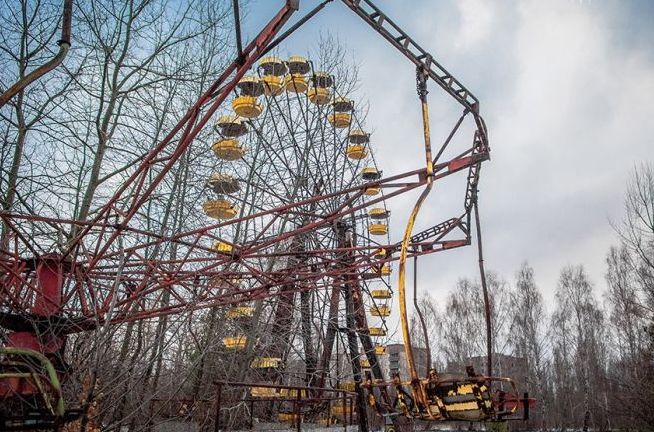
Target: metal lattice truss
(298,207)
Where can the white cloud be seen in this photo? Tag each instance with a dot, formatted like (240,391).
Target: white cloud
(476,22)
(567,134)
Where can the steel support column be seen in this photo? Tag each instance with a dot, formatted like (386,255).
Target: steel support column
(345,239)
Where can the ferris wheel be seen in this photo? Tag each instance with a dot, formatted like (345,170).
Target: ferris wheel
(290,136)
(294,242)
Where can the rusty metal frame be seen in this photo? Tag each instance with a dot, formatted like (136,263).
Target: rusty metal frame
(90,297)
(91,283)
(315,395)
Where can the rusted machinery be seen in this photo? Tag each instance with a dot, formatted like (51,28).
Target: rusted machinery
(306,233)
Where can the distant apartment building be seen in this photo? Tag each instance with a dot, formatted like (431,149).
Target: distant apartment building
(395,361)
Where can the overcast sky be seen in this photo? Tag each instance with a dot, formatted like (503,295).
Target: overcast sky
(567,91)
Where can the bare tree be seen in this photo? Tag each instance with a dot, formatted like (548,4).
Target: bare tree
(630,301)
(529,336)
(432,317)
(579,352)
(29,28)
(637,229)
(80,130)
(626,314)
(463,324)
(64,45)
